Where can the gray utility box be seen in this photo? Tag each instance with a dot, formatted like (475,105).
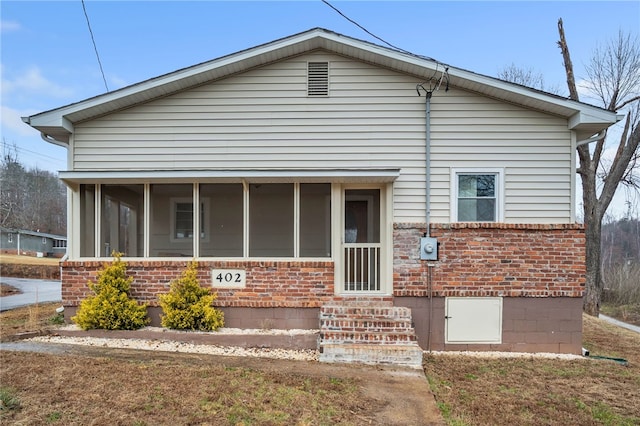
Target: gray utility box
(428,248)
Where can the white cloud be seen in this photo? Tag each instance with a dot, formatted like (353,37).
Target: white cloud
(9,26)
(32,81)
(11,120)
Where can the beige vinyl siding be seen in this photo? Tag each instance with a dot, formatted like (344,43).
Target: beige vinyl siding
(372,118)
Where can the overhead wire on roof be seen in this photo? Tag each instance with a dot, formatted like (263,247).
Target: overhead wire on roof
(95,48)
(364,29)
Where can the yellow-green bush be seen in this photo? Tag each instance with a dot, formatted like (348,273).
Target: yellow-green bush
(111,307)
(187,306)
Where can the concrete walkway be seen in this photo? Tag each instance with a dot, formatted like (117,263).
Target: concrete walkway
(33,291)
(620,323)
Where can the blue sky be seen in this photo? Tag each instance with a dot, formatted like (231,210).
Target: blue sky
(48,59)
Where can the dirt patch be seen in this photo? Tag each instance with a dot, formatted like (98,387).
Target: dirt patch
(8,290)
(543,391)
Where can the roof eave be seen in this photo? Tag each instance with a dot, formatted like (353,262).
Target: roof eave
(58,123)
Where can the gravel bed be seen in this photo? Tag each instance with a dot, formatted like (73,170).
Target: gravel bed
(223,330)
(170,346)
(568,357)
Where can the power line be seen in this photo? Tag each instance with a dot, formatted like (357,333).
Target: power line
(95,48)
(364,29)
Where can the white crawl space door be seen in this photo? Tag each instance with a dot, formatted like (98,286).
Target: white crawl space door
(473,320)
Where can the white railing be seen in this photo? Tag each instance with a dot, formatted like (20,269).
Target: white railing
(362,267)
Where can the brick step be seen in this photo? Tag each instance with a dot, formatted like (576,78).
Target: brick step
(369,312)
(364,302)
(409,355)
(367,337)
(365,325)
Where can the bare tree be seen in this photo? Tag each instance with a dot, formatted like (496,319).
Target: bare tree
(526,77)
(613,77)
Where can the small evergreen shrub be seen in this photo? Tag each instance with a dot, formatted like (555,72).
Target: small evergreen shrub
(187,306)
(111,307)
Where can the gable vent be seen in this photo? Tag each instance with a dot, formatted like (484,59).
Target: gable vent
(318,79)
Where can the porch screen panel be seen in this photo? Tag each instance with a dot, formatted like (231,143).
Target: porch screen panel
(171,220)
(315,220)
(87,220)
(122,220)
(271,220)
(222,230)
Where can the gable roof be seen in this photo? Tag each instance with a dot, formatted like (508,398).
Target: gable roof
(57,125)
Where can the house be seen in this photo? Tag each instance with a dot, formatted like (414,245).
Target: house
(32,243)
(324,175)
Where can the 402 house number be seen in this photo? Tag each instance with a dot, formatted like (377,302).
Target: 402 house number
(229,278)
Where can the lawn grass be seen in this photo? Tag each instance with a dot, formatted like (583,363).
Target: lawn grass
(535,391)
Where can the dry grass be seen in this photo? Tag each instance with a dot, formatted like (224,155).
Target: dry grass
(29,318)
(78,390)
(472,391)
(11,259)
(142,389)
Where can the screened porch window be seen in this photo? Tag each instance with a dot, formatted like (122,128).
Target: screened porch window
(231,220)
(271,218)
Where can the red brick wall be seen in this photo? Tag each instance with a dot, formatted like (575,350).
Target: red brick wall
(269,284)
(474,260)
(492,259)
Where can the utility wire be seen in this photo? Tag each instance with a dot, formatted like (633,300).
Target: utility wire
(364,29)
(94,45)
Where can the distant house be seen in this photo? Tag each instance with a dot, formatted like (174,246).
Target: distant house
(307,176)
(31,243)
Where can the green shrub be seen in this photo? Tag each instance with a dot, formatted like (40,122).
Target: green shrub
(111,307)
(187,306)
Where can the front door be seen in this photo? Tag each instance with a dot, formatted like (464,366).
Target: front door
(361,241)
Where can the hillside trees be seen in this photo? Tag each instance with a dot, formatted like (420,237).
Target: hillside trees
(31,199)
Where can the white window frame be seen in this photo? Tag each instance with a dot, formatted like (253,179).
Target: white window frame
(197,225)
(499,174)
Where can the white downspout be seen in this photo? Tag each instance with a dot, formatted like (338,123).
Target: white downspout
(592,138)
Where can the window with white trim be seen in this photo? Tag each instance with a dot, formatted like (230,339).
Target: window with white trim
(477,195)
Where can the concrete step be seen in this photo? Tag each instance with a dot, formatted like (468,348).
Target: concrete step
(409,355)
(367,337)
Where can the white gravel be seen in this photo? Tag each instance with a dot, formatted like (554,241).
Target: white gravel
(172,346)
(496,354)
(300,355)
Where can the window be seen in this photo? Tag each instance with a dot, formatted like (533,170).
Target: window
(9,238)
(477,196)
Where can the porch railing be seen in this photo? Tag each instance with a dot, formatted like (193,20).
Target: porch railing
(362,267)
